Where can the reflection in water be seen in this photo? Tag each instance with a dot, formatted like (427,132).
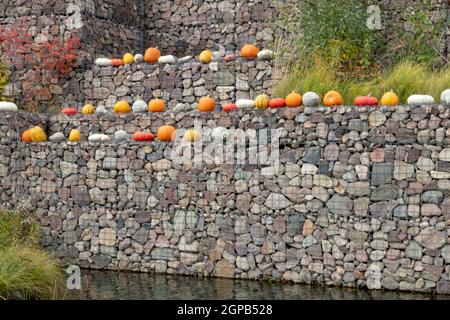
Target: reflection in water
(134,286)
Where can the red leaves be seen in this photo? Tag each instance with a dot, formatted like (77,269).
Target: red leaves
(48,61)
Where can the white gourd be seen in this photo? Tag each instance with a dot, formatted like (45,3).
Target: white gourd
(184,59)
(265,54)
(167,59)
(311,99)
(57,137)
(103,62)
(420,99)
(7,106)
(139,58)
(445,97)
(245,104)
(98,137)
(139,106)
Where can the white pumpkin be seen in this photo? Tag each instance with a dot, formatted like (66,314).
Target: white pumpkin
(57,137)
(100,110)
(7,106)
(121,135)
(167,59)
(103,62)
(98,137)
(245,104)
(420,99)
(139,106)
(265,54)
(311,99)
(139,58)
(184,59)
(445,97)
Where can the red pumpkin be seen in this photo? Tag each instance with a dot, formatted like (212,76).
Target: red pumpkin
(277,103)
(366,101)
(229,107)
(143,136)
(69,111)
(117,62)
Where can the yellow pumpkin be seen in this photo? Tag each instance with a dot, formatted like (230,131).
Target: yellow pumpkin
(389,99)
(262,101)
(122,107)
(128,58)
(38,134)
(88,109)
(192,135)
(205,56)
(74,135)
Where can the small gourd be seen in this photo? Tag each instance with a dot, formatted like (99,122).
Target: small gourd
(206,104)
(249,51)
(294,99)
(265,54)
(122,107)
(74,135)
(98,137)
(139,58)
(311,99)
(445,97)
(128,58)
(192,135)
(38,135)
(57,137)
(277,103)
(167,59)
(26,136)
(166,133)
(205,56)
(156,105)
(117,62)
(8,106)
(229,107)
(420,99)
(245,104)
(262,101)
(143,136)
(69,111)
(88,109)
(333,98)
(140,106)
(152,55)
(389,99)
(103,62)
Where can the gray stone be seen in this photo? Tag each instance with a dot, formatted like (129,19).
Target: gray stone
(340,205)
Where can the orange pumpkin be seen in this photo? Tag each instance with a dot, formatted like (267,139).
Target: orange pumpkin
(333,98)
(206,104)
(294,99)
(166,133)
(277,103)
(26,136)
(69,111)
(229,107)
(249,51)
(152,55)
(117,62)
(156,105)
(143,136)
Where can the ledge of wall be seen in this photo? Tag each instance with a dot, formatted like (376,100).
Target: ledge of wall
(361,199)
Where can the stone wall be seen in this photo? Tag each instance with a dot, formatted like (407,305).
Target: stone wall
(181,83)
(361,198)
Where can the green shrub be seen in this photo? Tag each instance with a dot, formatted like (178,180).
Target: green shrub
(26,271)
(405,78)
(3,80)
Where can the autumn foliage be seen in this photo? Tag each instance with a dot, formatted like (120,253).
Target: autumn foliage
(46,62)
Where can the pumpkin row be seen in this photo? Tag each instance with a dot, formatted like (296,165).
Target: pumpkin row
(164,133)
(153,55)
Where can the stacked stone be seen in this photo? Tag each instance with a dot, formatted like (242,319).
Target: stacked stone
(183,83)
(359,199)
